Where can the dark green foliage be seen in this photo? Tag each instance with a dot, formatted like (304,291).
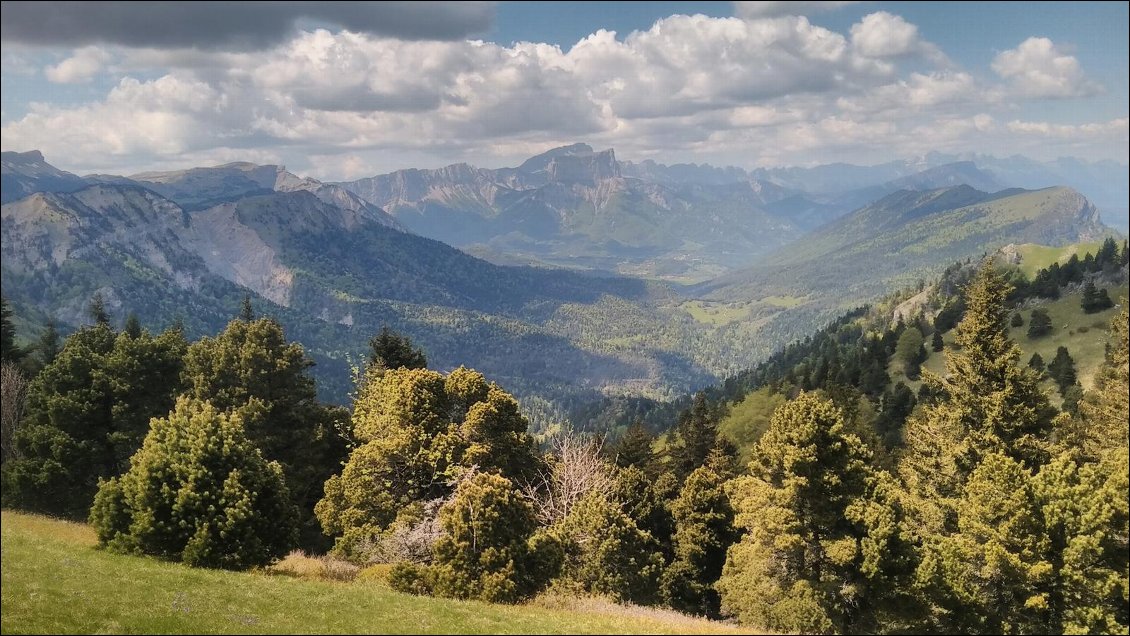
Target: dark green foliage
(634,448)
(1071,398)
(644,499)
(251,368)
(390,350)
(489,549)
(823,547)
(1036,363)
(704,530)
(9,352)
(132,327)
(48,345)
(198,491)
(97,310)
(246,311)
(1094,299)
(1062,369)
(950,315)
(936,343)
(416,431)
(695,435)
(1040,324)
(1017,320)
(607,553)
(894,407)
(87,413)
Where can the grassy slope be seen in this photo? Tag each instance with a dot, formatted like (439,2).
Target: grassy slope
(1084,335)
(1036,257)
(56,581)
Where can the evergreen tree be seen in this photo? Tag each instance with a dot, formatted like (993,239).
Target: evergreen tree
(488,548)
(251,368)
(1105,410)
(198,491)
(987,406)
(695,434)
(1036,363)
(704,530)
(97,310)
(48,345)
(390,350)
(823,549)
(1090,299)
(246,311)
(417,431)
(132,326)
(1062,369)
(895,406)
(1017,319)
(644,499)
(1040,324)
(634,448)
(937,344)
(9,352)
(87,413)
(606,553)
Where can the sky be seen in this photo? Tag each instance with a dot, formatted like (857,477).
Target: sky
(340,91)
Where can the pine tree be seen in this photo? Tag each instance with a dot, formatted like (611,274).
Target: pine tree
(1040,324)
(909,351)
(987,406)
(48,345)
(246,311)
(1017,320)
(695,434)
(1089,301)
(1062,369)
(198,491)
(390,350)
(97,310)
(937,344)
(251,368)
(823,549)
(9,351)
(634,448)
(703,532)
(132,326)
(1036,363)
(416,432)
(1106,408)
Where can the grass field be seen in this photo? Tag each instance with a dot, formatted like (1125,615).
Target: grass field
(55,581)
(1036,257)
(1084,335)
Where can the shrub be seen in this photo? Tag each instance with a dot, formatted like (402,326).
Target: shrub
(198,491)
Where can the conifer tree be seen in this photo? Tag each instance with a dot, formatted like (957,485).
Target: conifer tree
(1017,319)
(1036,363)
(390,350)
(937,344)
(634,448)
(1040,324)
(9,351)
(704,530)
(1062,369)
(48,345)
(97,310)
(695,434)
(823,548)
(198,491)
(246,311)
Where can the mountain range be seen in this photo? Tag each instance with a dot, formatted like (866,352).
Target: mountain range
(336,261)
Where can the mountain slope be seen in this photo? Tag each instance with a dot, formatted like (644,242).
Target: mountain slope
(576,207)
(334,275)
(24,173)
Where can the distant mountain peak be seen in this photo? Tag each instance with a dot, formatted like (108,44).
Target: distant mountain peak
(31,156)
(542,161)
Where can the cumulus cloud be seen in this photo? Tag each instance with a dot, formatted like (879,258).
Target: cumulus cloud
(770,9)
(1038,68)
(82,65)
(346,103)
(230,25)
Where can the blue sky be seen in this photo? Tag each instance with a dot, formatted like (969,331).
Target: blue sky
(349,90)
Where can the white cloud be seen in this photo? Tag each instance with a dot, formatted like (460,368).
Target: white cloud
(1112,128)
(769,9)
(81,66)
(882,34)
(689,88)
(1038,68)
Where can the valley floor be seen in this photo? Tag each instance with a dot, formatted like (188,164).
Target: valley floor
(55,581)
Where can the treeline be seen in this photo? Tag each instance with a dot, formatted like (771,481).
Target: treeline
(987,511)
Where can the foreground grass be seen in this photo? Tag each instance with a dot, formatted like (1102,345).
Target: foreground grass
(55,581)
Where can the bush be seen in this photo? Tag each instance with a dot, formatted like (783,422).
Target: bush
(199,492)
(377,574)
